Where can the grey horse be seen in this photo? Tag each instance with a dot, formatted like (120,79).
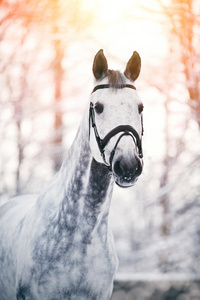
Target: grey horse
(59,245)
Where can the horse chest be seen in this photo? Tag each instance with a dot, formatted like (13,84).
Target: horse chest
(93,275)
(84,271)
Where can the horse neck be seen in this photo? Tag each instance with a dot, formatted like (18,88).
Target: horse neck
(82,189)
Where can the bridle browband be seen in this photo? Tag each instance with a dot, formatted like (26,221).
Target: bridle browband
(107,86)
(125,129)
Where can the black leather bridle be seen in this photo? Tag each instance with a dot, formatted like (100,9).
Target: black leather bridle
(125,129)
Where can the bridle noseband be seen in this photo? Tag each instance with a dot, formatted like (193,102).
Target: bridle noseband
(125,129)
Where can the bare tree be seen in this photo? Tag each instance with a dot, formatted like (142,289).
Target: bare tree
(28,29)
(176,197)
(184,17)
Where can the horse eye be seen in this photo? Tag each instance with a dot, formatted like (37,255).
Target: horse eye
(99,108)
(140,108)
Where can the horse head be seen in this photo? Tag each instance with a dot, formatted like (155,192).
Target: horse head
(116,120)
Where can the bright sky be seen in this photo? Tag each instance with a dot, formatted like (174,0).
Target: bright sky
(123,26)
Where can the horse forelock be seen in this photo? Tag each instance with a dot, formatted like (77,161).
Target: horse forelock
(116,79)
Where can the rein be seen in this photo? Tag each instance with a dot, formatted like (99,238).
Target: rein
(125,129)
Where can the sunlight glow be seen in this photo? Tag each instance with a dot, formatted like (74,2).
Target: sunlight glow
(124,26)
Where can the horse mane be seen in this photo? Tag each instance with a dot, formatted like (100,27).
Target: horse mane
(116,78)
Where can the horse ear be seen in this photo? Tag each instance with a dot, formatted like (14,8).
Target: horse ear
(133,67)
(100,65)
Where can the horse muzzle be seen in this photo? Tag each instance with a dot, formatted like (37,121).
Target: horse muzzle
(126,171)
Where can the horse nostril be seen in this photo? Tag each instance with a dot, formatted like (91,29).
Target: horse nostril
(138,168)
(117,168)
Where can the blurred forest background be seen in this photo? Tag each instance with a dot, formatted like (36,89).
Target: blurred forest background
(46,53)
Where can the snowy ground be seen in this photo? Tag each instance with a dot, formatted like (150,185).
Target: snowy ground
(156,287)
